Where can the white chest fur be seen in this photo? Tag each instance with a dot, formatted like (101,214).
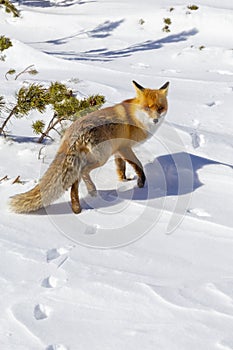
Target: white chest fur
(148,123)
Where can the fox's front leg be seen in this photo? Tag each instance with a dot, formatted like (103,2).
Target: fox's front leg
(129,156)
(75,198)
(120,166)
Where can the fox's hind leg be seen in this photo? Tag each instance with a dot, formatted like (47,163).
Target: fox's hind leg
(89,183)
(94,159)
(120,165)
(128,155)
(86,176)
(75,198)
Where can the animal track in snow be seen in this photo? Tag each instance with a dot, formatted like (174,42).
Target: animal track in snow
(197,139)
(41,312)
(56,347)
(172,71)
(50,282)
(198,212)
(213,103)
(140,65)
(91,229)
(222,72)
(225,345)
(55,253)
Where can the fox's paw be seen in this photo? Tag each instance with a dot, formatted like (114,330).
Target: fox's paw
(93,193)
(76,208)
(122,177)
(128,178)
(141,182)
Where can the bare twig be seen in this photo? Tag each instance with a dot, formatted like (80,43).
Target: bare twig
(12,112)
(4,178)
(40,151)
(53,122)
(17,180)
(23,71)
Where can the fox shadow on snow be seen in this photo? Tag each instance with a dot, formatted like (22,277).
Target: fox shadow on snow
(168,175)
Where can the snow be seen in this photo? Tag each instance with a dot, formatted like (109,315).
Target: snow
(168,282)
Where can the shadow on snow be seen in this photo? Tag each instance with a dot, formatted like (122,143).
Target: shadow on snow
(103,30)
(48,3)
(104,54)
(168,175)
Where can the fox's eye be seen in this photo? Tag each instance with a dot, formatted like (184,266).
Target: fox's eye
(160,109)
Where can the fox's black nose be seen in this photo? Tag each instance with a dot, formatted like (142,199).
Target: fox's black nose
(155,120)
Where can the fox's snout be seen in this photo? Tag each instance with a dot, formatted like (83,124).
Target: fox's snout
(159,116)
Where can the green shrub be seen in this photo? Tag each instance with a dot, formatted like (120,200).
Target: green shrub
(166,29)
(141,21)
(9,7)
(5,43)
(65,106)
(38,127)
(167,21)
(193,7)
(30,98)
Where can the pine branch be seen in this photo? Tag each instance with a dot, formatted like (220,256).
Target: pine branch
(9,7)
(52,124)
(12,112)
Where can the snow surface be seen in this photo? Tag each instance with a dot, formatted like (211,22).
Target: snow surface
(168,284)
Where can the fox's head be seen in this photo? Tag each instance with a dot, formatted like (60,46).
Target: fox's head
(152,103)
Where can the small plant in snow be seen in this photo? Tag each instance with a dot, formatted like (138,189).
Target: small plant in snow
(193,7)
(74,80)
(167,22)
(28,70)
(5,43)
(141,21)
(10,72)
(9,7)
(166,29)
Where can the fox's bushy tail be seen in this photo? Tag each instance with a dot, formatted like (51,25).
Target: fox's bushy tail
(61,174)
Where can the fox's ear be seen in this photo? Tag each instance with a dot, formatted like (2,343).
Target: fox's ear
(164,88)
(138,87)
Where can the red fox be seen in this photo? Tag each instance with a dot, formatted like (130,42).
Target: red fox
(90,141)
